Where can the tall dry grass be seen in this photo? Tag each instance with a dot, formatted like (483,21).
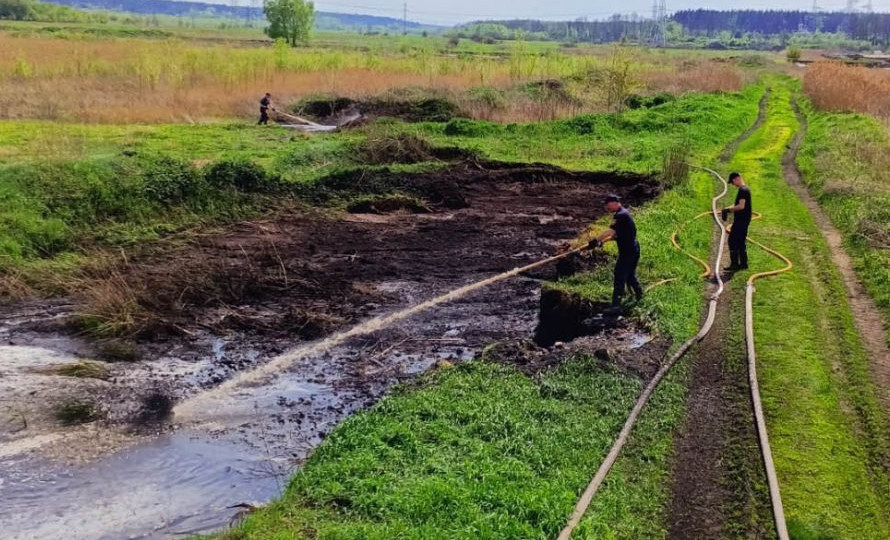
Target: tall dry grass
(690,76)
(833,86)
(147,81)
(131,80)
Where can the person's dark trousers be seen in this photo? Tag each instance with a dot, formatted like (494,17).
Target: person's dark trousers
(626,276)
(738,248)
(264,118)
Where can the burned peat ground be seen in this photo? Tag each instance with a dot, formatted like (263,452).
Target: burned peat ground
(205,309)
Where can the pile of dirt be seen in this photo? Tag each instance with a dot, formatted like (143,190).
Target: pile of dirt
(447,187)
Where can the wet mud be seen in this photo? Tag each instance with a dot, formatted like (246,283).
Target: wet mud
(226,303)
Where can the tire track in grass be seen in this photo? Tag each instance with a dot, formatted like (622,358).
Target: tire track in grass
(702,498)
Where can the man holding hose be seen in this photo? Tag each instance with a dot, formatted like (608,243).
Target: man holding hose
(742,212)
(623,231)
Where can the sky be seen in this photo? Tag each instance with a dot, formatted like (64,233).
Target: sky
(457,11)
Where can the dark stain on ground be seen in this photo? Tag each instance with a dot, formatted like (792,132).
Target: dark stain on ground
(565,316)
(346,112)
(227,301)
(304,274)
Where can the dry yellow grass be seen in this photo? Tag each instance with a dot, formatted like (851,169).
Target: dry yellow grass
(834,86)
(127,81)
(152,81)
(696,77)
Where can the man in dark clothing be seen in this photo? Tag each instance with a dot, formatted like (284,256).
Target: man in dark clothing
(265,105)
(742,212)
(623,231)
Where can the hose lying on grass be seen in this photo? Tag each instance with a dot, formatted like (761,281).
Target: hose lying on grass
(769,465)
(592,488)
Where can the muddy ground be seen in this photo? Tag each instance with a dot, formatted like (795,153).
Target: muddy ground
(223,303)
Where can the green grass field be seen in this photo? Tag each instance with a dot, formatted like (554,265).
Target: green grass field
(828,434)
(844,164)
(375,479)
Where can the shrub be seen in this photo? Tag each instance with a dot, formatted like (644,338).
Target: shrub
(675,164)
(469,128)
(400,148)
(241,175)
(636,101)
(169,180)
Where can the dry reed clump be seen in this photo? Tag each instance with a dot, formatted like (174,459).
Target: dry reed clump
(83,370)
(696,77)
(834,86)
(381,149)
(112,307)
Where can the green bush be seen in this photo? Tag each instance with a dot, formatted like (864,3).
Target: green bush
(242,175)
(169,180)
(469,128)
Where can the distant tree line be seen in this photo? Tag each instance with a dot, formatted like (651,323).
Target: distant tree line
(871,27)
(701,27)
(32,10)
(617,28)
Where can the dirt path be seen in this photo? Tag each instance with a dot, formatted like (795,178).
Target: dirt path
(701,492)
(731,148)
(866,315)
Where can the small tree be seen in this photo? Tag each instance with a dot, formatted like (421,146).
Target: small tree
(17,10)
(621,78)
(291,20)
(793,54)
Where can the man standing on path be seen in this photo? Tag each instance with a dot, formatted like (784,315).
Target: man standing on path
(742,211)
(265,105)
(623,231)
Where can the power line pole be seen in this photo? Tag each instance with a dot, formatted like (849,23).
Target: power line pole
(659,23)
(815,6)
(405,19)
(851,6)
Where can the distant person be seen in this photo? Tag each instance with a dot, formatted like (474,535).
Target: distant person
(742,212)
(265,105)
(623,231)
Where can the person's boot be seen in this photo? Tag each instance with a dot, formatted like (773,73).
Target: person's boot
(639,293)
(743,259)
(733,261)
(613,310)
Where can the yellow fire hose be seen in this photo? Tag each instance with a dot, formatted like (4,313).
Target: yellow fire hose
(775,497)
(604,468)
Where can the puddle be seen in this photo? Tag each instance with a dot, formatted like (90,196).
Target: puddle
(171,487)
(256,293)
